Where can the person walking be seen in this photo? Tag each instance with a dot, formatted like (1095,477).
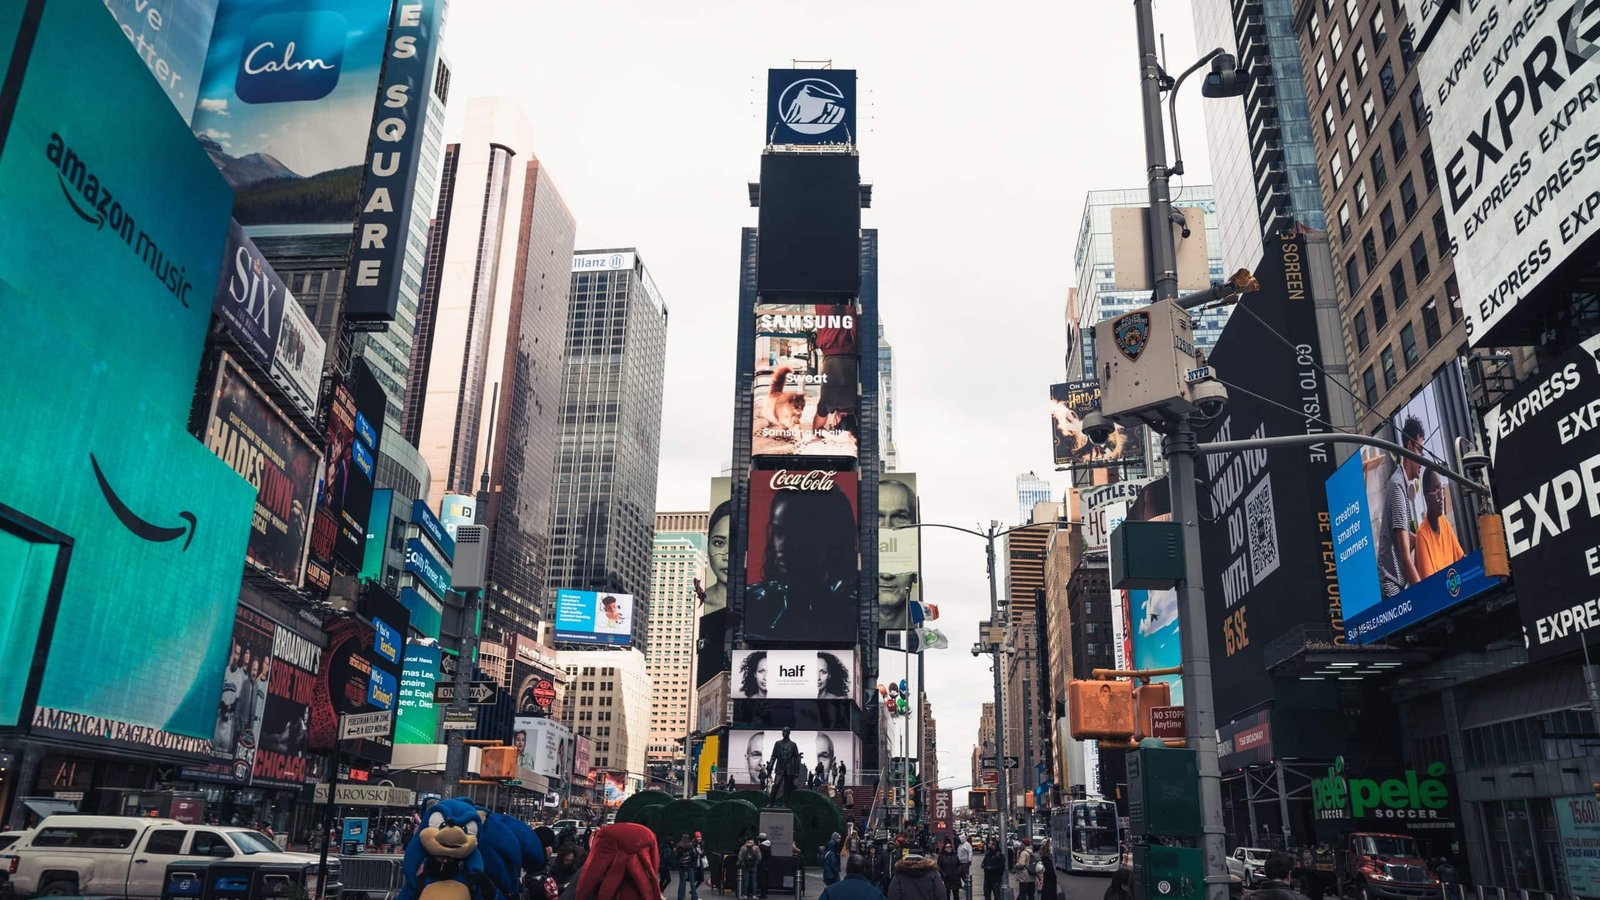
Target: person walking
(1023,869)
(1277,868)
(994,870)
(749,865)
(621,865)
(1121,886)
(950,870)
(686,860)
(882,865)
(964,856)
(857,883)
(1044,868)
(916,878)
(830,861)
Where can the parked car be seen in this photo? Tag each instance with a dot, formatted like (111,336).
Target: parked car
(577,825)
(127,856)
(1247,863)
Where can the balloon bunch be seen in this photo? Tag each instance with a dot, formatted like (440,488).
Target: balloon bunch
(893,697)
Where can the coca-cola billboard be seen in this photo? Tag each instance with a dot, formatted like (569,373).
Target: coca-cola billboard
(803,560)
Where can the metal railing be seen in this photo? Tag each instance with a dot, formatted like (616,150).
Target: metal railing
(371,876)
(1461,892)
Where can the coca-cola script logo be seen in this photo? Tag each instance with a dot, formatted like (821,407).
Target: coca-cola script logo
(814,480)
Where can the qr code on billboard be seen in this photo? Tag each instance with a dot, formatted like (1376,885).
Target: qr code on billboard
(1263,529)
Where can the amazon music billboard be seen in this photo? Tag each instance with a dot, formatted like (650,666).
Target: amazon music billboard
(803,561)
(106,295)
(247,431)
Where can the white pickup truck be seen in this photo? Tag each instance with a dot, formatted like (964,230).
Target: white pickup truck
(127,856)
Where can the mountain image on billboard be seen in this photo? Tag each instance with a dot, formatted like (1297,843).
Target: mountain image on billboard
(806,376)
(286,100)
(811,106)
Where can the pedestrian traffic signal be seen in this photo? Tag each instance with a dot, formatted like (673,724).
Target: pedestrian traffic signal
(1100,710)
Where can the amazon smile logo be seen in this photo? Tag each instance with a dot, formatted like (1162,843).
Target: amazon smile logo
(143,528)
(95,203)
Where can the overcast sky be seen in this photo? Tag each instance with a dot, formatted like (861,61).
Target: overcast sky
(982,127)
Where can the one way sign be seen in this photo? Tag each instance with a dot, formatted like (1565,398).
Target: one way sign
(989,762)
(481,693)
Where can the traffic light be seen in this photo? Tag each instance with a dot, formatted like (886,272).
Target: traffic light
(1492,538)
(1100,709)
(1145,698)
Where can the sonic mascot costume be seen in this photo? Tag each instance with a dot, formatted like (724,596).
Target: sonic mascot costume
(465,852)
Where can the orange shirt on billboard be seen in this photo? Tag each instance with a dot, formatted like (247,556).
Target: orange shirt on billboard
(1437,547)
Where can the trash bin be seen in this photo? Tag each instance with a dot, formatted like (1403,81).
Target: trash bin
(215,879)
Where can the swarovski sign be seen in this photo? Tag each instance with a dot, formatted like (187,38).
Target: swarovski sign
(1513,122)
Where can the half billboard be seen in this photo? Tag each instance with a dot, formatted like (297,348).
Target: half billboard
(794,674)
(587,617)
(899,550)
(806,381)
(803,561)
(1403,535)
(750,752)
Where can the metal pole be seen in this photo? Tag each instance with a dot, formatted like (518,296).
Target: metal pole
(455,759)
(1198,712)
(327,816)
(999,717)
(688,728)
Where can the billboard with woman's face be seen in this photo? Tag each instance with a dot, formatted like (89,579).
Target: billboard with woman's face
(711,651)
(802,564)
(806,381)
(794,674)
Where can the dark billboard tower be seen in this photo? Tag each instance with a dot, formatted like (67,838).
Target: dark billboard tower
(803,556)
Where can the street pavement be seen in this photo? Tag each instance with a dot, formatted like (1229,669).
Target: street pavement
(1070,887)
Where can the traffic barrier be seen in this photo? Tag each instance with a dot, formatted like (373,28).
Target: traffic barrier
(371,876)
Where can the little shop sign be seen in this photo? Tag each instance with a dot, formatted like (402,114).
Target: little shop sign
(1408,797)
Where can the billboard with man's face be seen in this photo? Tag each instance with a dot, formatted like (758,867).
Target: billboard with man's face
(585,617)
(806,377)
(1404,537)
(749,752)
(899,550)
(801,568)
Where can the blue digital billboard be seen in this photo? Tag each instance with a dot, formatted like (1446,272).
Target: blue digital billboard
(810,106)
(429,571)
(107,296)
(585,617)
(1403,536)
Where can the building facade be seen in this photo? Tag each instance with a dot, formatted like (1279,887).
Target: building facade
(886,448)
(1031,490)
(603,510)
(679,564)
(608,701)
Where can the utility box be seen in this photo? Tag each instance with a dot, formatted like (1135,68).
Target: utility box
(1146,555)
(1168,873)
(1163,793)
(1142,359)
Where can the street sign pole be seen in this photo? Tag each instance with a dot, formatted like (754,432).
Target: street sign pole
(327,815)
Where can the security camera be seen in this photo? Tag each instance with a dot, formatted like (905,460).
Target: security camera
(1474,462)
(977,649)
(1097,427)
(1209,398)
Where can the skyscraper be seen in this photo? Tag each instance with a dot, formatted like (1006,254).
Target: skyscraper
(679,562)
(1031,489)
(495,290)
(886,448)
(609,439)
(1098,300)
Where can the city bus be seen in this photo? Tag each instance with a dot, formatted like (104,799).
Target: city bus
(1084,836)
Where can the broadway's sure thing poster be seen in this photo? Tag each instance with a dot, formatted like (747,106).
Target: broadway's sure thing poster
(1069,403)
(805,387)
(248,433)
(284,722)
(899,551)
(802,566)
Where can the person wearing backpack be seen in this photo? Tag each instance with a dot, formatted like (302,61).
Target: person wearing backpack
(1024,870)
(749,865)
(1044,869)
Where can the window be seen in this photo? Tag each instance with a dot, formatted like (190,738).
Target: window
(1338,41)
(1387,82)
(97,838)
(1441,234)
(1352,273)
(1344,221)
(1430,175)
(1344,93)
(1360,325)
(1352,10)
(1362,203)
(1380,312)
(209,843)
(1369,252)
(165,841)
(1360,58)
(1419,259)
(1408,197)
(1397,284)
(1369,385)
(1390,376)
(1336,165)
(1408,47)
(1369,113)
(1380,28)
(1380,172)
(1408,345)
(1397,138)
(1316,26)
(1386,221)
(1327,121)
(1322,72)
(1430,321)
(1352,140)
